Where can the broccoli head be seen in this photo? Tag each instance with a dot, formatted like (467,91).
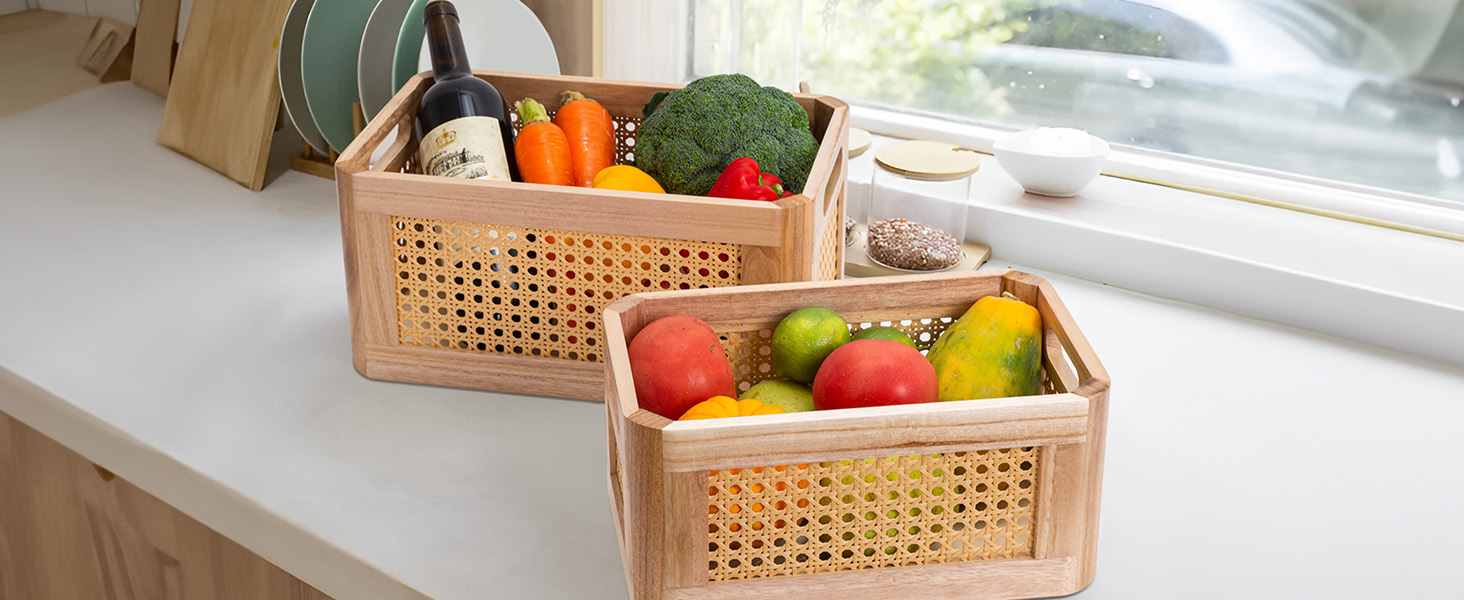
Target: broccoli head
(698,130)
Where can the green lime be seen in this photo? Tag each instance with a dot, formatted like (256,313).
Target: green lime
(884,333)
(791,396)
(804,339)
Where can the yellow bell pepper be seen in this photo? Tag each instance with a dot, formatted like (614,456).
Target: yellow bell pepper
(718,407)
(627,178)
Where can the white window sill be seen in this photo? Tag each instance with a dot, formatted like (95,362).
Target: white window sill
(1389,288)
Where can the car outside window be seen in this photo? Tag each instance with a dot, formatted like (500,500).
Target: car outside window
(1344,90)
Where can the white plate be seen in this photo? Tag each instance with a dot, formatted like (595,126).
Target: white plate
(502,35)
(292,84)
(378,50)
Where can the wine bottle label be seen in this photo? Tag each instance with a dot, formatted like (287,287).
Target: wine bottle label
(468,147)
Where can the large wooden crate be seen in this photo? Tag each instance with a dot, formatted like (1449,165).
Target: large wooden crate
(500,286)
(971,499)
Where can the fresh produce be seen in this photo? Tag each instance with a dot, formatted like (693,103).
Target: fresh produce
(676,362)
(591,135)
(884,333)
(695,132)
(651,106)
(720,407)
(790,396)
(541,150)
(993,351)
(743,180)
(874,373)
(804,338)
(626,177)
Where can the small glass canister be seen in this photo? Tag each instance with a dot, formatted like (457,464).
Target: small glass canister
(917,206)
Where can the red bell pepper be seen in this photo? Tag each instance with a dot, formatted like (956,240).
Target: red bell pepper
(743,180)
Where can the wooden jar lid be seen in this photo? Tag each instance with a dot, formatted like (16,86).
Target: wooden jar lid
(933,161)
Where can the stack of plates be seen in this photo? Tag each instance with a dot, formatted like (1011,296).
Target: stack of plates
(337,52)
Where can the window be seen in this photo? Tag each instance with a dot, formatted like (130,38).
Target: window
(1363,92)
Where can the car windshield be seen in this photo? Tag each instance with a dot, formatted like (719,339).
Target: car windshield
(1358,91)
(1117,27)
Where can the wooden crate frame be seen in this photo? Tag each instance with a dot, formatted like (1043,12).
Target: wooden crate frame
(799,238)
(659,469)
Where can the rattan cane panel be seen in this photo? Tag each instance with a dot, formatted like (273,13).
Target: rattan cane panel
(830,259)
(529,291)
(751,352)
(871,513)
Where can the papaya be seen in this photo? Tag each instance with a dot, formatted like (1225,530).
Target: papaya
(993,351)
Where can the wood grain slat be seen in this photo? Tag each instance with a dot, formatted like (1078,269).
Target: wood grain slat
(859,300)
(686,528)
(982,580)
(586,210)
(1085,361)
(875,432)
(530,375)
(157,35)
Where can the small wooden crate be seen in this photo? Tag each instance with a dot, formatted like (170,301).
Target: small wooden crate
(975,499)
(500,286)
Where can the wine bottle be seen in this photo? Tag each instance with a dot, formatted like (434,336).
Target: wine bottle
(462,125)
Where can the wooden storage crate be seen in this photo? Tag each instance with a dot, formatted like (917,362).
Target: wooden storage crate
(500,286)
(973,499)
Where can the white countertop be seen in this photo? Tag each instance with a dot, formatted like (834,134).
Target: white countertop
(191,336)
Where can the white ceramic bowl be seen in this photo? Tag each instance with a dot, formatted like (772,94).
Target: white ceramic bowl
(1052,161)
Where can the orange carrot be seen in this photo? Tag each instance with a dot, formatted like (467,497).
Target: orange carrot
(541,150)
(591,136)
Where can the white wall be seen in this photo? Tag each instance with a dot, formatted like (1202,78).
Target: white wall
(121,10)
(71,6)
(183,8)
(12,6)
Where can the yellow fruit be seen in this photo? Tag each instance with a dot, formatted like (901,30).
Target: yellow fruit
(804,339)
(626,177)
(719,407)
(992,351)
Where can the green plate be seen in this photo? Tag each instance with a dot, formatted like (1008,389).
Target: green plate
(329,59)
(409,45)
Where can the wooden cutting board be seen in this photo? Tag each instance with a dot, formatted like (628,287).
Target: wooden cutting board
(108,52)
(225,93)
(152,54)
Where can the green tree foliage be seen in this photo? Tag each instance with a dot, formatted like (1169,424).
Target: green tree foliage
(913,53)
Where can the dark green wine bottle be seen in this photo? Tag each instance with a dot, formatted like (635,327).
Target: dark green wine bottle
(462,122)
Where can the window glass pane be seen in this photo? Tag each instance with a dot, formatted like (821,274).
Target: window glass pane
(1361,91)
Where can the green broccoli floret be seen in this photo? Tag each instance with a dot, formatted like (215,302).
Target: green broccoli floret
(698,130)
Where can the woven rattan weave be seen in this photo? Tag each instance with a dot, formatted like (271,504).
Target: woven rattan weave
(538,292)
(854,514)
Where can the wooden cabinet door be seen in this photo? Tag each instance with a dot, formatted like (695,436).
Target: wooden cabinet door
(70,529)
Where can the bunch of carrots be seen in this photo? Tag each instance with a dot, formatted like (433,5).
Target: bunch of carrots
(569,150)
